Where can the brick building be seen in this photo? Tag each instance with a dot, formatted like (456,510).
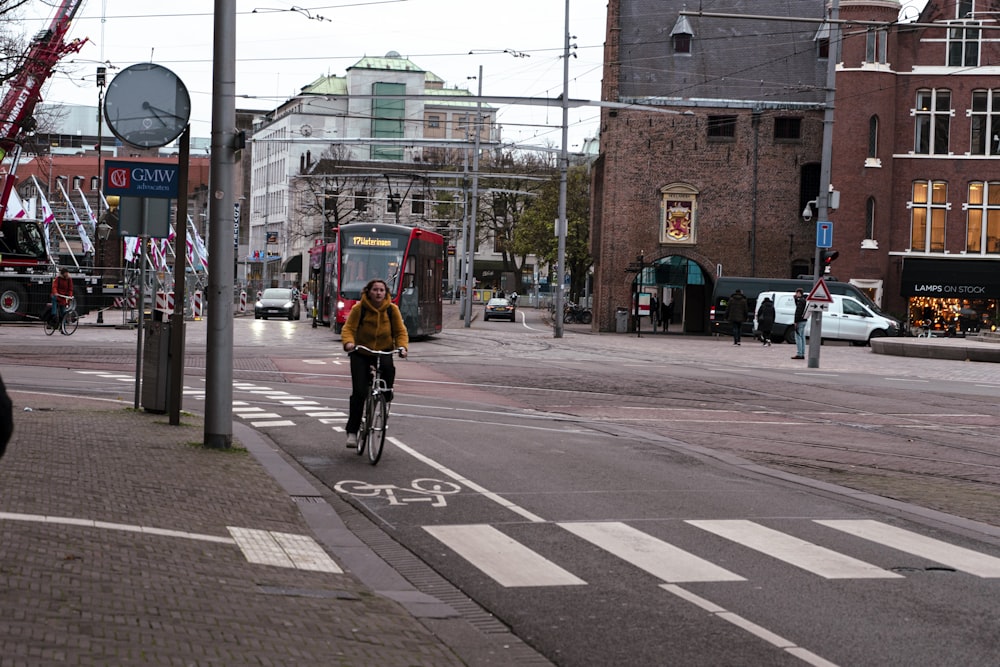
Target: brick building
(711,175)
(916,144)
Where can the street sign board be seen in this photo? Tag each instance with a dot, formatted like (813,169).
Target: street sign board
(141,179)
(824,234)
(817,305)
(820,293)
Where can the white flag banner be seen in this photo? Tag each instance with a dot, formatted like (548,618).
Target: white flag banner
(15,209)
(48,217)
(80,229)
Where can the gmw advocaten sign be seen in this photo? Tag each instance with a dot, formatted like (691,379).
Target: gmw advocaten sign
(141,179)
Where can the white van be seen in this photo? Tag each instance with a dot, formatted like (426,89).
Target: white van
(845,319)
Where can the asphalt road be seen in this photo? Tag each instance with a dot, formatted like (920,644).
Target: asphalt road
(654,500)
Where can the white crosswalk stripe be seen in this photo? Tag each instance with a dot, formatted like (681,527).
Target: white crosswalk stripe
(646,552)
(513,564)
(507,561)
(960,558)
(805,555)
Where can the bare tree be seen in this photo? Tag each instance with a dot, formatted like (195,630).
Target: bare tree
(328,195)
(514,181)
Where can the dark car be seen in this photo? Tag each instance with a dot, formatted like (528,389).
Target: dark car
(499,309)
(278,302)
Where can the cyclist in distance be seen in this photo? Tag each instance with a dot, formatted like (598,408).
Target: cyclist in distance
(62,292)
(374,322)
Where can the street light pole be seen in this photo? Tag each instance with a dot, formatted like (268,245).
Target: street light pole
(470,279)
(557,329)
(822,200)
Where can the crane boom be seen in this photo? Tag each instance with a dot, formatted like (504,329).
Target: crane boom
(25,90)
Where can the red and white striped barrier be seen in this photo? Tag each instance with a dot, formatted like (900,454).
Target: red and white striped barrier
(165,302)
(243,301)
(196,305)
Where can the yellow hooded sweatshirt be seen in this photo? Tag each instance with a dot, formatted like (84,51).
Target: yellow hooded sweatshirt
(378,328)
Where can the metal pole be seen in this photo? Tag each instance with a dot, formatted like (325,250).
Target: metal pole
(471,277)
(176,376)
(219,340)
(816,323)
(561,224)
(101,73)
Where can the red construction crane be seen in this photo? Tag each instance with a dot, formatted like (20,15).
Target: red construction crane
(25,90)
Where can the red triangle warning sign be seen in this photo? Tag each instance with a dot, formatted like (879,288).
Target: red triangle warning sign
(820,293)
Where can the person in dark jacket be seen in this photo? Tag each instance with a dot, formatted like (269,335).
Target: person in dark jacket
(6,418)
(376,323)
(737,309)
(800,325)
(765,321)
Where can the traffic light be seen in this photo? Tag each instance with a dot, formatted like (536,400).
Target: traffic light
(826,258)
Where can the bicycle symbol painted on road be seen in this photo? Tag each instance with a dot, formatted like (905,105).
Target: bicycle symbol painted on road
(420,490)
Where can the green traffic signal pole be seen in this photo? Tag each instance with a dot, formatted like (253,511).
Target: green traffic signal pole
(822,201)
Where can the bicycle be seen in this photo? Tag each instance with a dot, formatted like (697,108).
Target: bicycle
(66,324)
(375,412)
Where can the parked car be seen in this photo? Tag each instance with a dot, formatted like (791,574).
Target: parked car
(844,319)
(278,302)
(499,309)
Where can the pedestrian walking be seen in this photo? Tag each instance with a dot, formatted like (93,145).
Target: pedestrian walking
(765,321)
(800,325)
(666,314)
(738,309)
(654,311)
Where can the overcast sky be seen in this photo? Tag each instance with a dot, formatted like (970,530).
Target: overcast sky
(518,43)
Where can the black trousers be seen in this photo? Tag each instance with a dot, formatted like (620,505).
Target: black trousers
(361,373)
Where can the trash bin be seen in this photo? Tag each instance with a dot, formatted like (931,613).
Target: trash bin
(621,320)
(155,366)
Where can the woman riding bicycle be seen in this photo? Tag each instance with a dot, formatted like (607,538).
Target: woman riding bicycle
(374,322)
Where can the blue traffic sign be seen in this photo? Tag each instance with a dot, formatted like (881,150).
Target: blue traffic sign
(824,234)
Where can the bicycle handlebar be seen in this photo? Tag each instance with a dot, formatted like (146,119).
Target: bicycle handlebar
(398,350)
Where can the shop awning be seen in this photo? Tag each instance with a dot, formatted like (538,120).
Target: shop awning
(951,278)
(293,265)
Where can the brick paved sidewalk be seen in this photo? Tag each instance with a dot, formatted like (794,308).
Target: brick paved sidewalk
(120,545)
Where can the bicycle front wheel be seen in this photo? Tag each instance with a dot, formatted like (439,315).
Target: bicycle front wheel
(364,430)
(377,428)
(70,322)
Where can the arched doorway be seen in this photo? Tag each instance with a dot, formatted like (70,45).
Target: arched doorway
(682,290)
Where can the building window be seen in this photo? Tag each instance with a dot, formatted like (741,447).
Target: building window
(417,204)
(388,115)
(392,203)
(722,128)
(963,44)
(932,119)
(984,122)
(983,221)
(787,129)
(681,34)
(360,200)
(875,45)
(95,183)
(433,121)
(964,9)
(873,137)
(822,39)
(928,210)
(870,218)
